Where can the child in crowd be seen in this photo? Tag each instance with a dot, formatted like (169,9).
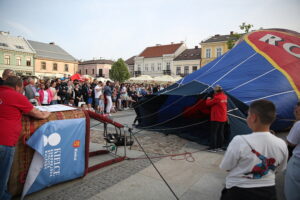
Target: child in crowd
(101,104)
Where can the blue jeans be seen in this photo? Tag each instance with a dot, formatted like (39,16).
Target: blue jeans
(292,179)
(6,158)
(53,102)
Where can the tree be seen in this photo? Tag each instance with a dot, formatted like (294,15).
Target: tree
(234,37)
(119,71)
(246,27)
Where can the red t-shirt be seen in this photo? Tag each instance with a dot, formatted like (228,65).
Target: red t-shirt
(12,106)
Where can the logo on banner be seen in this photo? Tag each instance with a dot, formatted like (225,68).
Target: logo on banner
(53,155)
(53,139)
(76,145)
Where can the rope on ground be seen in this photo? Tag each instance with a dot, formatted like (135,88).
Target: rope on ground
(188,156)
(156,168)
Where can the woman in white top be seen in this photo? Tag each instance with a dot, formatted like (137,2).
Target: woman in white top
(45,95)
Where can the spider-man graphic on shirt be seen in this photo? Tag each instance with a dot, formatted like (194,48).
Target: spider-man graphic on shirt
(261,169)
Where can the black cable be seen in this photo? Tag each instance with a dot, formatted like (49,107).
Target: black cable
(155,167)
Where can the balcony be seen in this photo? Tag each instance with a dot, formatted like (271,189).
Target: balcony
(167,72)
(99,75)
(137,73)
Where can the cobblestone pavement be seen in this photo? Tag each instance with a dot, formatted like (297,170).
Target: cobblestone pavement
(95,182)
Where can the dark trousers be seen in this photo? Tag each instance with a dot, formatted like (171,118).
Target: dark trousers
(259,193)
(216,134)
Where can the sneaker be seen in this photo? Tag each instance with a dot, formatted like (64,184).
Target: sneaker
(212,150)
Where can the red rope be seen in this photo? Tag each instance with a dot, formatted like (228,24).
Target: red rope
(186,156)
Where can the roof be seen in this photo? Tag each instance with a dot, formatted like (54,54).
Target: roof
(50,51)
(14,43)
(218,38)
(160,50)
(130,61)
(100,61)
(190,54)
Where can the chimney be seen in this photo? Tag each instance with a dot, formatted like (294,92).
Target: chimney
(181,41)
(231,32)
(52,43)
(157,44)
(196,47)
(172,42)
(4,33)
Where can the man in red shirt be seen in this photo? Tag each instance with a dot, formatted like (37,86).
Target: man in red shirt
(218,118)
(12,105)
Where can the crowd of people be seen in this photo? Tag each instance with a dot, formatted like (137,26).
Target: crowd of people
(101,97)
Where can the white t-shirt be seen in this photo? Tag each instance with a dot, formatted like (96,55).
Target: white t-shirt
(98,93)
(294,138)
(240,161)
(45,100)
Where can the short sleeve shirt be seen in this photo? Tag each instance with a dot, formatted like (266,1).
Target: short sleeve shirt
(294,138)
(12,106)
(246,168)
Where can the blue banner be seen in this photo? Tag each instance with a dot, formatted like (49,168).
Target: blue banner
(59,156)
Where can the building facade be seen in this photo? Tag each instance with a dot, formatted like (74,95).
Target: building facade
(130,65)
(52,61)
(214,47)
(157,60)
(16,54)
(187,62)
(95,68)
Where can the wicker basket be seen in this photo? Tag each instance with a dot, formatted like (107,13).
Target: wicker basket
(24,154)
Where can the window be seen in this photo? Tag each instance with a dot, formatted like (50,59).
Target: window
(93,71)
(54,66)
(7,60)
(158,66)
(100,71)
(219,52)
(86,71)
(194,68)
(139,67)
(208,53)
(186,70)
(18,61)
(19,47)
(152,67)
(3,44)
(43,65)
(80,71)
(178,70)
(28,61)
(146,67)
(168,66)
(66,67)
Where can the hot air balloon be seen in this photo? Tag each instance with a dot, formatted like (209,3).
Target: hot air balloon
(265,64)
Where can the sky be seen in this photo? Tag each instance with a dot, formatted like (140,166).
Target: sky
(112,29)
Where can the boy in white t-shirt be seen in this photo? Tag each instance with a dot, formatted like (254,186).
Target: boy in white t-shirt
(252,160)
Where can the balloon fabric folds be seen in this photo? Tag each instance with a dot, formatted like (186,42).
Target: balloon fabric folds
(265,64)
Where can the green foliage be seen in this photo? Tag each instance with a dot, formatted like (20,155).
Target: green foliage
(119,71)
(234,37)
(246,27)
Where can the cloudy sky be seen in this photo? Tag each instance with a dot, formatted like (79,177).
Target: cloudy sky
(113,29)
